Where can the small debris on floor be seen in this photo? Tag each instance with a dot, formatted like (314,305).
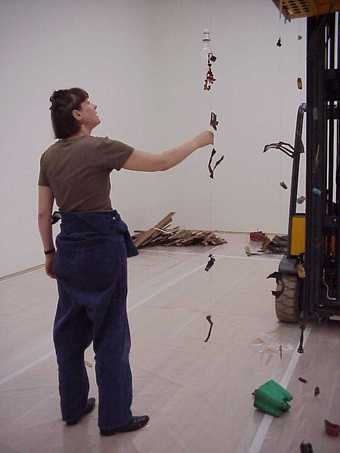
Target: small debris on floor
(163,234)
(332,429)
(279,42)
(88,364)
(299,83)
(284,185)
(248,251)
(301,379)
(299,37)
(270,347)
(277,245)
(257,236)
(301,199)
(316,391)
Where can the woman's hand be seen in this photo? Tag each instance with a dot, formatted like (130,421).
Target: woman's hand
(203,139)
(49,265)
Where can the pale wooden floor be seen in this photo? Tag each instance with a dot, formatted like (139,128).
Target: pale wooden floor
(197,394)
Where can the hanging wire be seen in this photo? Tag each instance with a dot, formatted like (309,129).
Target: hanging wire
(210,108)
(301,58)
(210,95)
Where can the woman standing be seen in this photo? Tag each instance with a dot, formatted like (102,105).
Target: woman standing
(90,261)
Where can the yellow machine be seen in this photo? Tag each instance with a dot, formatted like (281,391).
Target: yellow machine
(308,278)
(298,236)
(293,9)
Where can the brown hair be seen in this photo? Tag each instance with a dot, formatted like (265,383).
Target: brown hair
(63,103)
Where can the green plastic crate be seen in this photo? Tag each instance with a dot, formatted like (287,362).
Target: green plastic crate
(272,398)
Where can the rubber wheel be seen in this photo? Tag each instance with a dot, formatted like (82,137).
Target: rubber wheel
(287,303)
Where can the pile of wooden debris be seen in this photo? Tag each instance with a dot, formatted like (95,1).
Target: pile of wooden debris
(164,234)
(278,245)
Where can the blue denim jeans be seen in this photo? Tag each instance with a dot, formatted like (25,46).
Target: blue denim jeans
(91,270)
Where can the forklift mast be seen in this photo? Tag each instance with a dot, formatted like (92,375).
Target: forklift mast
(318,291)
(322,255)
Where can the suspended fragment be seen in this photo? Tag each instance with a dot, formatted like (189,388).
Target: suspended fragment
(210,263)
(213,121)
(300,348)
(56,216)
(210,328)
(212,169)
(306,448)
(210,78)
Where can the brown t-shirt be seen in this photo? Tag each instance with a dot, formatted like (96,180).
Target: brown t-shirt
(77,170)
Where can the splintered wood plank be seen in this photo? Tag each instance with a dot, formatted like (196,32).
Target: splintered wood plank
(164,234)
(144,237)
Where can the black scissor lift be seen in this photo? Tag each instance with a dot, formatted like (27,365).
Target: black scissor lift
(308,281)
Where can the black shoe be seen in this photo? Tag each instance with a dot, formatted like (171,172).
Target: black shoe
(134,424)
(91,402)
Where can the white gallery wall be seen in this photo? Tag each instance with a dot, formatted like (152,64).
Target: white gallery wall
(140,61)
(47,45)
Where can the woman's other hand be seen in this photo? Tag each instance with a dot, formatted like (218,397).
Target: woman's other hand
(49,265)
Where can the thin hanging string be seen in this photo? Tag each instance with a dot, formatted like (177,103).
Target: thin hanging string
(281,193)
(210,105)
(211,108)
(302,44)
(211,181)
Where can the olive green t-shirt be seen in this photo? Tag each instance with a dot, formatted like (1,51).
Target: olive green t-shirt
(77,170)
